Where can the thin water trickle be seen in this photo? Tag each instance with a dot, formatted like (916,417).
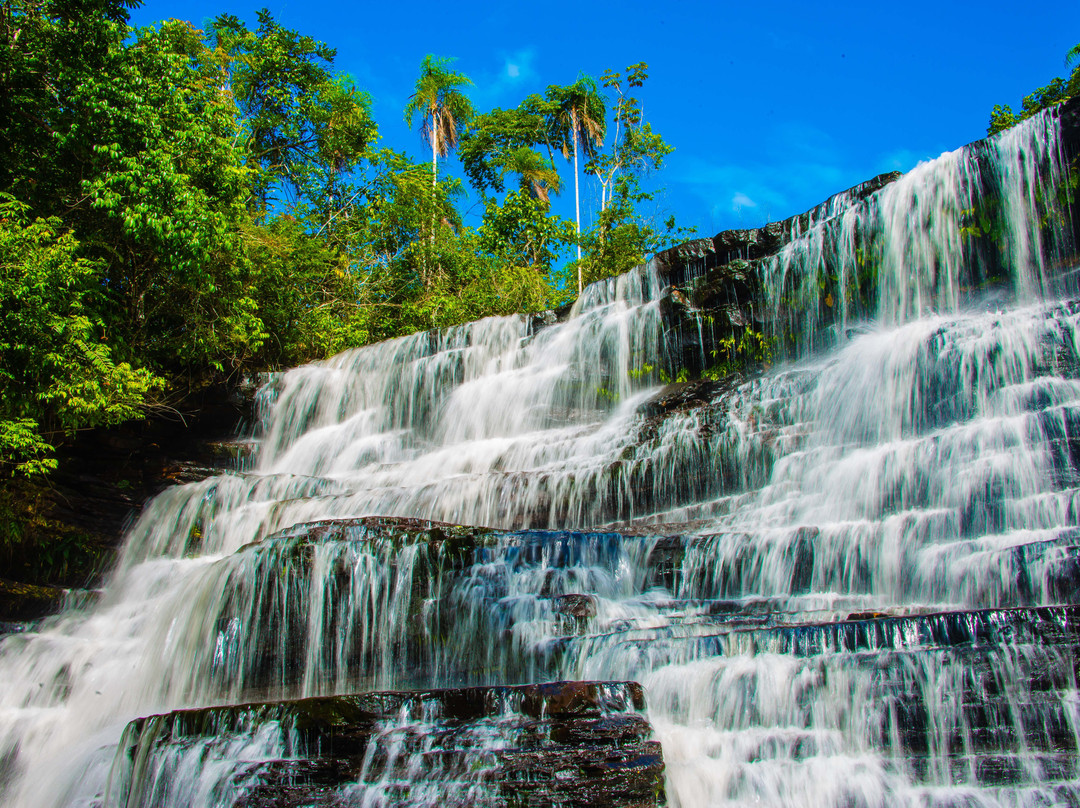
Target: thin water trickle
(866,610)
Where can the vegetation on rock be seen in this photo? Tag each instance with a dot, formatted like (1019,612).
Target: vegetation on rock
(1058,90)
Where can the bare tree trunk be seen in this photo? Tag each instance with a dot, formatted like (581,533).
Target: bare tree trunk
(577,198)
(434,189)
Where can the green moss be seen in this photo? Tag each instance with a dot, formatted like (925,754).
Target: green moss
(36,547)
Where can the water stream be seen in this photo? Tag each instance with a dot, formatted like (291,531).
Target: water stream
(845,582)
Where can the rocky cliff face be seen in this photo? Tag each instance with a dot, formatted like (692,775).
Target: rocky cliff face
(70,526)
(739,299)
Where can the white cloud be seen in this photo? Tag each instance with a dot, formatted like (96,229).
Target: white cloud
(506,86)
(797,167)
(740,201)
(901,160)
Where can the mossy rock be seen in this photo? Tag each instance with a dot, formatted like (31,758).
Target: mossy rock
(22,601)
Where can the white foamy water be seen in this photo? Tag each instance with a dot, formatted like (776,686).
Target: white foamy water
(926,463)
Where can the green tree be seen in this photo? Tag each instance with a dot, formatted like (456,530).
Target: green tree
(157,151)
(493,145)
(443,108)
(623,235)
(580,122)
(303,126)
(165,190)
(635,147)
(1058,90)
(51,50)
(57,372)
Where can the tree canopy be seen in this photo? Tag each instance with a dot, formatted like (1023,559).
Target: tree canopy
(178,206)
(1058,90)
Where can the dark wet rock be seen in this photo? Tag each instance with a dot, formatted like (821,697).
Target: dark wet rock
(802,573)
(16,627)
(671,263)
(715,310)
(732,250)
(688,395)
(561,743)
(665,561)
(21,601)
(70,525)
(1070,138)
(581,607)
(1070,127)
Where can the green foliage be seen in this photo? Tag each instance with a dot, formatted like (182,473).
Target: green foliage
(496,143)
(51,50)
(622,238)
(23,449)
(57,374)
(520,233)
(470,284)
(304,293)
(194,203)
(166,194)
(738,352)
(1058,90)
(303,126)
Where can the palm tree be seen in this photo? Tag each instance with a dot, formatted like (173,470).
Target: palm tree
(1072,86)
(538,175)
(443,108)
(580,122)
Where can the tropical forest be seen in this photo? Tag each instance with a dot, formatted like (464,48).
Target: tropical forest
(348,470)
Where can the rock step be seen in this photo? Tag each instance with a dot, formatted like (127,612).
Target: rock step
(449,550)
(988,629)
(1044,726)
(1063,794)
(562,743)
(565,777)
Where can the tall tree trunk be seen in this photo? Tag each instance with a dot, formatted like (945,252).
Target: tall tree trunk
(577,197)
(434,190)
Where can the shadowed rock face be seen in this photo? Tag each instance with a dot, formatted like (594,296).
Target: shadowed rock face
(716,285)
(563,743)
(797,281)
(75,520)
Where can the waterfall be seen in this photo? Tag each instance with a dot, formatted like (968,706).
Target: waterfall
(972,218)
(846,581)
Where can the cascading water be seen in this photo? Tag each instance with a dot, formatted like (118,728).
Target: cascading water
(846,582)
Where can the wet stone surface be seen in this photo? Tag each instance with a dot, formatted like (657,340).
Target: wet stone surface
(562,743)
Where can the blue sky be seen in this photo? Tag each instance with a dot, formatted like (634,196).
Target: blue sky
(771,106)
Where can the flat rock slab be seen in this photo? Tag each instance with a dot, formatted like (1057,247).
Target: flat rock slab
(556,744)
